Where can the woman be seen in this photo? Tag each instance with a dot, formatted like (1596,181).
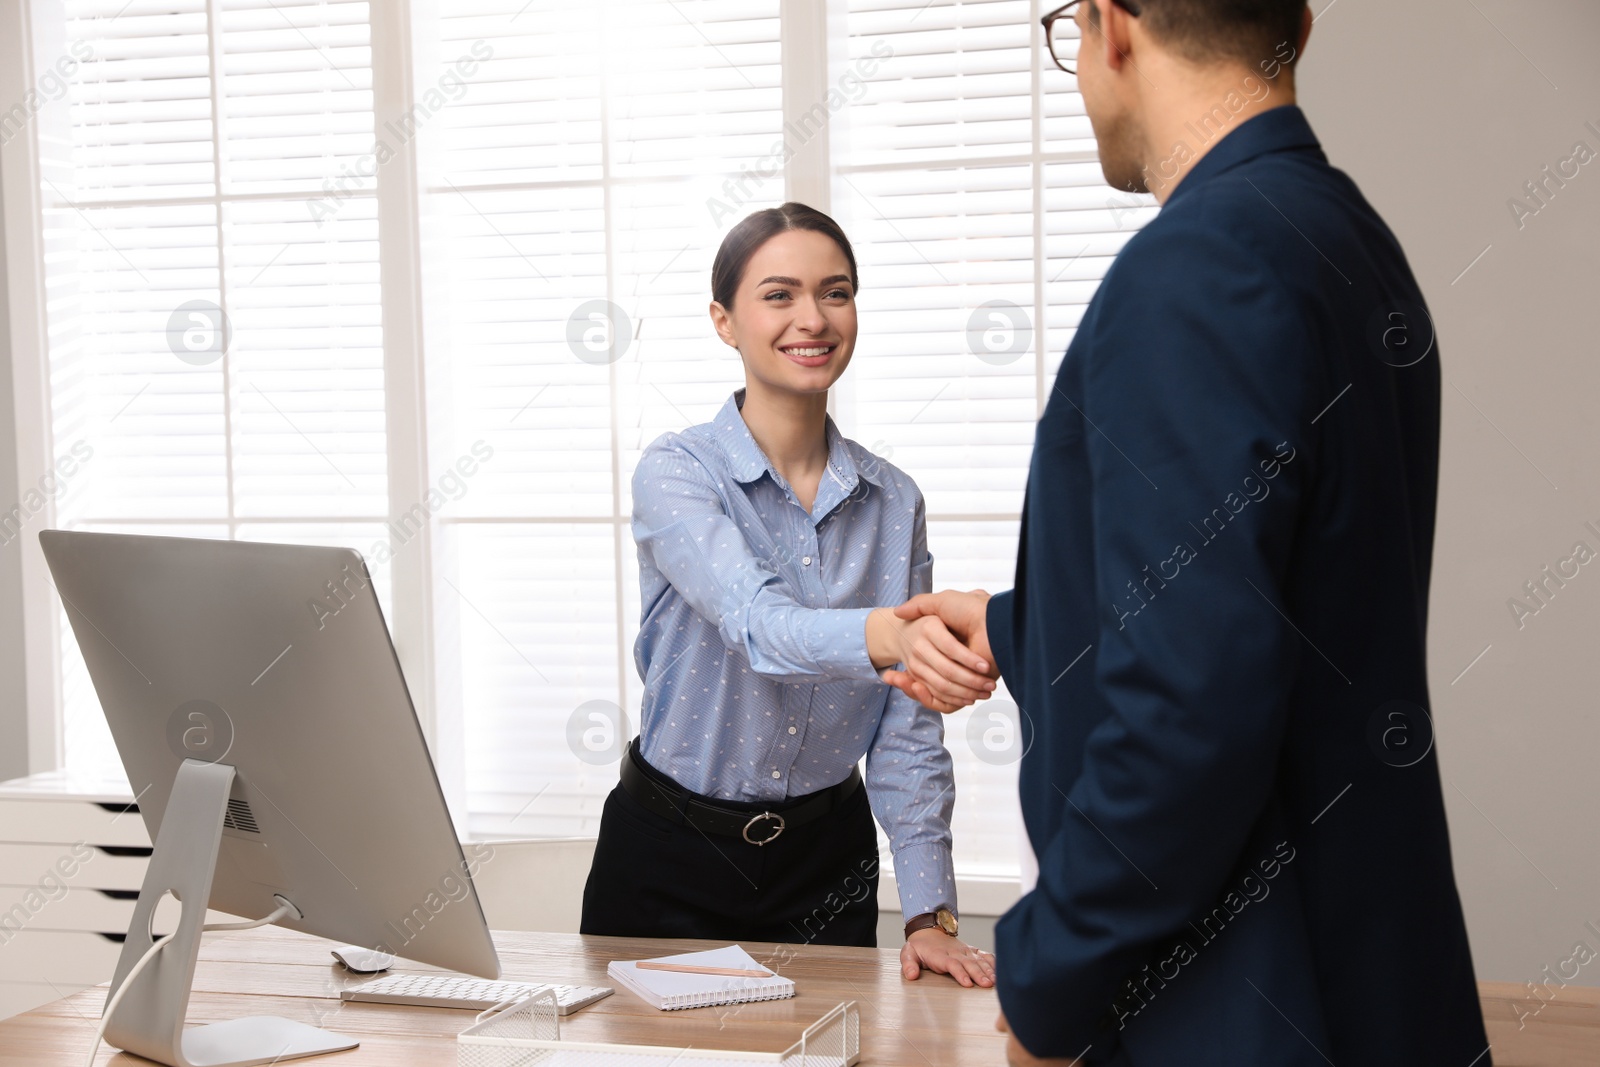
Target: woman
(771,553)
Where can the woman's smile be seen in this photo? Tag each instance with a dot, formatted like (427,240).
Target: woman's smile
(810,353)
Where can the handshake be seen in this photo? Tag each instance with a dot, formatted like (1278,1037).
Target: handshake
(942,645)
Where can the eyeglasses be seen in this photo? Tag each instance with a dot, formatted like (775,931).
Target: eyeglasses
(1061,31)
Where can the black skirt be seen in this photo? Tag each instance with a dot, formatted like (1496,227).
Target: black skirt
(814,884)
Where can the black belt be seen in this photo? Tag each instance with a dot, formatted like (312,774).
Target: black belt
(755,823)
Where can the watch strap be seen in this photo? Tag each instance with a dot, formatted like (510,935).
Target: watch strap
(927,920)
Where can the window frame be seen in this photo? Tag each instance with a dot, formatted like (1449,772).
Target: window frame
(24,250)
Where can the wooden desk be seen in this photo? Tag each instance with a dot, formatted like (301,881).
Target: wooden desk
(928,1023)
(931,1022)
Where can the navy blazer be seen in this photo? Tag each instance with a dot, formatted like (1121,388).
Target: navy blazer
(1233,793)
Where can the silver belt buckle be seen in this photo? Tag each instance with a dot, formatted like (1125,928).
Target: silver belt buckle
(757,818)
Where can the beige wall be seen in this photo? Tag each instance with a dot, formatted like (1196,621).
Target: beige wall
(1441,120)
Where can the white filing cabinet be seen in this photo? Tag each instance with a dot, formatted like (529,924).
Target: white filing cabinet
(72,857)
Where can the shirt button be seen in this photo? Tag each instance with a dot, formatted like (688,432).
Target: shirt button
(792,730)
(806,560)
(775,774)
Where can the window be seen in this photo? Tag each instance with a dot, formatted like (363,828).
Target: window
(174,200)
(453,364)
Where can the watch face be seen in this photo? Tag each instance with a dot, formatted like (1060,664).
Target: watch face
(947,922)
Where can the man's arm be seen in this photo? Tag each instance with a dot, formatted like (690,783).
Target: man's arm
(1192,392)
(1198,415)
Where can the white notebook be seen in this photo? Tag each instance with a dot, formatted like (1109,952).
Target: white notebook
(671,990)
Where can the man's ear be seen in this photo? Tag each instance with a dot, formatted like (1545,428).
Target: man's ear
(1307,20)
(1115,33)
(722,322)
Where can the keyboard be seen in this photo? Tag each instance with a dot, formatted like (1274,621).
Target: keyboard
(476,994)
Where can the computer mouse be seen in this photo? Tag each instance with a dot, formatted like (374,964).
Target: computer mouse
(363,960)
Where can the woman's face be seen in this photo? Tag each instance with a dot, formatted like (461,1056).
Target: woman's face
(794,315)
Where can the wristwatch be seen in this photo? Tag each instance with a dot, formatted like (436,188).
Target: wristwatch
(943,919)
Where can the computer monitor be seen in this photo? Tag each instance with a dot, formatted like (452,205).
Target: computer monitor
(273,750)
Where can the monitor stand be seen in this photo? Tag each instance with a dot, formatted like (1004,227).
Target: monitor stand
(149,1019)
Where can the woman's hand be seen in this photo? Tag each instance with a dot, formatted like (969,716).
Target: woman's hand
(953,674)
(936,950)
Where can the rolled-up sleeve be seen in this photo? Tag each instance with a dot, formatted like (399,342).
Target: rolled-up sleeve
(683,529)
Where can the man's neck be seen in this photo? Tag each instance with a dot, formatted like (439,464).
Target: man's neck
(1193,117)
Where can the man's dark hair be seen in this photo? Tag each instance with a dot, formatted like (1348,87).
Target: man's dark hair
(1255,32)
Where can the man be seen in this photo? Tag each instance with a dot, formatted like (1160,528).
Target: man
(1217,630)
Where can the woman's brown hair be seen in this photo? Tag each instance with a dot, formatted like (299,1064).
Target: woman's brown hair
(759,227)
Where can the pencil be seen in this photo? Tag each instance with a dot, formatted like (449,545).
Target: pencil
(731,972)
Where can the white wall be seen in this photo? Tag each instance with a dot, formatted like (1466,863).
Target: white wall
(1441,117)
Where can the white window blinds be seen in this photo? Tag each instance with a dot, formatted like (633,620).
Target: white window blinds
(176,193)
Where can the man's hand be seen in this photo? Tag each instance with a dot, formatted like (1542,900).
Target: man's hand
(963,615)
(951,674)
(936,950)
(1017,1056)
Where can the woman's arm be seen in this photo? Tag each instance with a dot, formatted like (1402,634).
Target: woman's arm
(911,784)
(681,527)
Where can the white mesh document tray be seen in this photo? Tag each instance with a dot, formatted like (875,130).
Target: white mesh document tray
(527,1033)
